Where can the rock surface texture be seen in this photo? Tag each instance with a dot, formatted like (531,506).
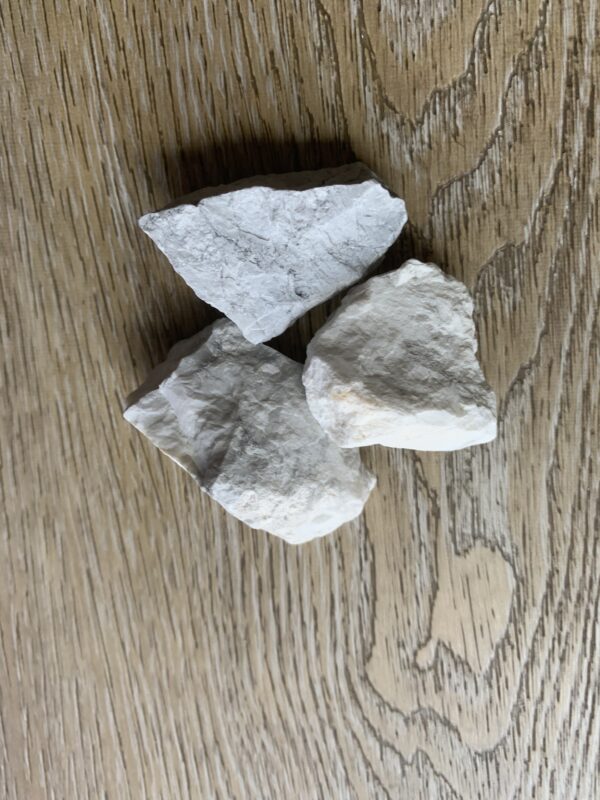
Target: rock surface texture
(234,415)
(396,365)
(267,249)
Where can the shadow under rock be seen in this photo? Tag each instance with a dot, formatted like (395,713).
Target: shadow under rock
(176,173)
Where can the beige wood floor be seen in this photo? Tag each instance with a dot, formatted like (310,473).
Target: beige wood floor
(446,644)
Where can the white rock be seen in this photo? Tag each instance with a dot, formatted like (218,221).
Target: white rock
(234,415)
(267,249)
(396,365)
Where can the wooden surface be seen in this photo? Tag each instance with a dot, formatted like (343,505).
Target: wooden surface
(446,644)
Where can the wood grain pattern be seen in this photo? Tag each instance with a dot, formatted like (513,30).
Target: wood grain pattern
(445,645)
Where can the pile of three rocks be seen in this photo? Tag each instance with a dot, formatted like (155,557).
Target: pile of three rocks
(396,364)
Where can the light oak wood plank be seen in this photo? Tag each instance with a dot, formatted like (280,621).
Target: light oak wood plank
(445,644)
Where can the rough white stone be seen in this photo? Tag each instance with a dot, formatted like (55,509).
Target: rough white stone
(234,415)
(267,249)
(397,365)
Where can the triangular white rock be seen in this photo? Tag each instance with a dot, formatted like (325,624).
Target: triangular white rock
(397,365)
(267,249)
(235,417)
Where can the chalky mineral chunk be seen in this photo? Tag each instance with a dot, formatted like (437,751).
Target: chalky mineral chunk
(396,365)
(267,249)
(234,415)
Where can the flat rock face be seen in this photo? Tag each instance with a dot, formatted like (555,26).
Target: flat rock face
(267,249)
(234,415)
(396,365)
